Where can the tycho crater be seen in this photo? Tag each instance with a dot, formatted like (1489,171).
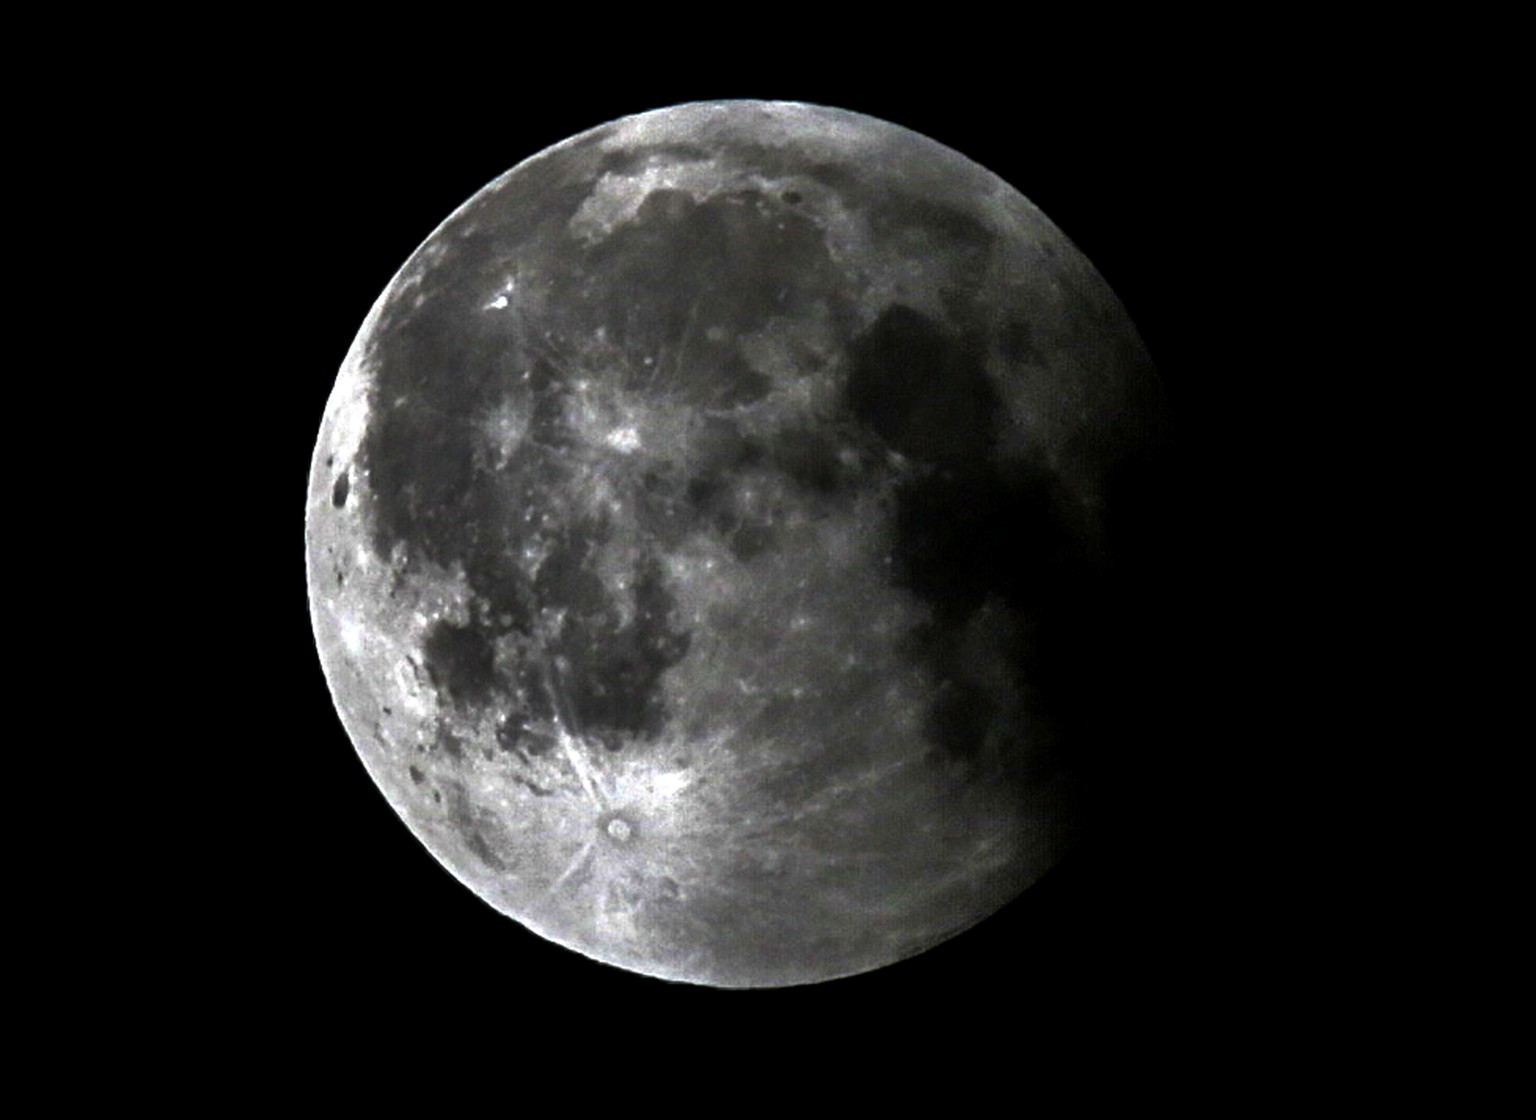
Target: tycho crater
(704,526)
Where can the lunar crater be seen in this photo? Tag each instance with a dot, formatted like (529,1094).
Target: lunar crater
(619,829)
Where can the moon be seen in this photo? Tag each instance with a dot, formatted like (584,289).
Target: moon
(706,540)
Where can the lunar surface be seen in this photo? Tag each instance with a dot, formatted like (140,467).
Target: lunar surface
(702,526)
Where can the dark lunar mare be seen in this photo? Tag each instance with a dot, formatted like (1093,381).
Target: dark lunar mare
(967,528)
(970,530)
(651,287)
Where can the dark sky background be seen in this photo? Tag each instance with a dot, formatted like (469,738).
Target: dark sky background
(340,915)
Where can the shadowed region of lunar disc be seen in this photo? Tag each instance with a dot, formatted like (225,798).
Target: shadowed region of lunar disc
(708,536)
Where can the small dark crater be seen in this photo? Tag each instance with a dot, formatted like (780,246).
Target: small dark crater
(752,453)
(437,796)
(341,579)
(717,444)
(725,519)
(738,382)
(388,712)
(449,743)
(958,720)
(1018,342)
(751,540)
(509,733)
(702,491)
(810,459)
(482,851)
(340,491)
(330,460)
(794,198)
(416,775)
(668,887)
(461,661)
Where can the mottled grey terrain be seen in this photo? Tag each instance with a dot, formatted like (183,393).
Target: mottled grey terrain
(703,527)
